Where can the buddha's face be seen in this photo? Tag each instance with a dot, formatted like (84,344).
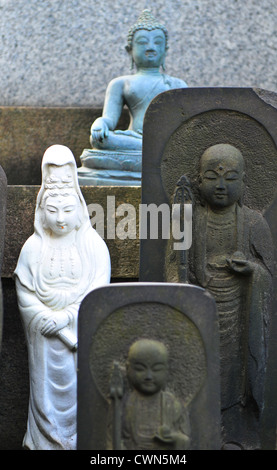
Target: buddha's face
(61,214)
(147,368)
(221,180)
(149,48)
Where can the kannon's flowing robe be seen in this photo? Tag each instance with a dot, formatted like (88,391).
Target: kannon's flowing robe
(51,280)
(46,284)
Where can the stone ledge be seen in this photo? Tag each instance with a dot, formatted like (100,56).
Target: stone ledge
(26,132)
(21,202)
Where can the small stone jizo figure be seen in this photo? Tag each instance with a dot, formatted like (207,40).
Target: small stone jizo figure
(152,417)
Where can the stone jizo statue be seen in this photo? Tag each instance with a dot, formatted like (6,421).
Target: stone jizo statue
(232,257)
(58,266)
(121,149)
(152,417)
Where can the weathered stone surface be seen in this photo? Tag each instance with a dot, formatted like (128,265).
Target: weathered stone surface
(26,132)
(227,234)
(20,216)
(181,317)
(3,207)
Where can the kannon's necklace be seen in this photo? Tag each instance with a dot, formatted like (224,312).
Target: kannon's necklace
(58,259)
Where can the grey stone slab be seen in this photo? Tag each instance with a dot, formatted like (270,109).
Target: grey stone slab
(65,53)
(184,319)
(190,127)
(3,209)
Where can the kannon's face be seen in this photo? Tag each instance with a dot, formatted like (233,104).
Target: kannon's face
(61,214)
(149,48)
(221,181)
(147,372)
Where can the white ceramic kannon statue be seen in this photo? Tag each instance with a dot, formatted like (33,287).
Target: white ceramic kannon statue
(58,266)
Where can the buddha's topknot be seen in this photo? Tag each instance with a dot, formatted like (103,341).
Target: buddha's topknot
(145,21)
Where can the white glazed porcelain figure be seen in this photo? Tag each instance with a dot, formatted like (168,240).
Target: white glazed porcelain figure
(58,266)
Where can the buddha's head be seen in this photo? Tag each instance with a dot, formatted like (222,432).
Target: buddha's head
(147,41)
(147,366)
(221,175)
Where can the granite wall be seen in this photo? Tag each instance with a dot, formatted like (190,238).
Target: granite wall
(63,53)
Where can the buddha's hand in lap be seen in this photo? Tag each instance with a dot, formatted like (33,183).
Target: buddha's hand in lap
(99,130)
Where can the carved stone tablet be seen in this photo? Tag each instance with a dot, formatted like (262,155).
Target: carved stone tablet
(224,142)
(148,369)
(3,206)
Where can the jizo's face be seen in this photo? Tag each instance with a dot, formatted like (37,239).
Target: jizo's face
(61,214)
(221,182)
(148,48)
(148,372)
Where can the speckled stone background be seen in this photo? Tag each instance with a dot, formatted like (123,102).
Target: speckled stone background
(64,53)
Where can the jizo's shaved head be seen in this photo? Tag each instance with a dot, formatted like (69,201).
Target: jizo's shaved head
(224,153)
(147,366)
(147,347)
(221,176)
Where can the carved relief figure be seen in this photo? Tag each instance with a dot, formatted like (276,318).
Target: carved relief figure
(152,417)
(58,266)
(232,257)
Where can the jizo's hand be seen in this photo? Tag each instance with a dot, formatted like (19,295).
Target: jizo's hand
(165,434)
(241,266)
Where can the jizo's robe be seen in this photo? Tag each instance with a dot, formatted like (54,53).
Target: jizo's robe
(243,301)
(143,416)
